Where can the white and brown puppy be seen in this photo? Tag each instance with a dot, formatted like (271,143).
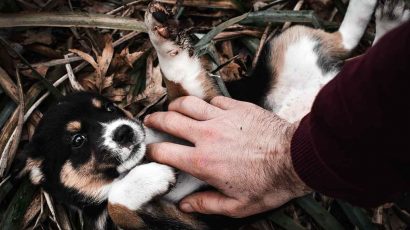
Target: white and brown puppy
(292,68)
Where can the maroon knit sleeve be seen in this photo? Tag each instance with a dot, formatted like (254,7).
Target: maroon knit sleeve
(355,142)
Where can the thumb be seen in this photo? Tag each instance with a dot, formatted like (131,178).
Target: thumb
(210,202)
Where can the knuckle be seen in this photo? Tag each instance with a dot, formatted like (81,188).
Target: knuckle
(234,212)
(185,102)
(209,133)
(207,109)
(217,100)
(199,162)
(200,205)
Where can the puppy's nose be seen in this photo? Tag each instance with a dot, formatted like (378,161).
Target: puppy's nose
(123,135)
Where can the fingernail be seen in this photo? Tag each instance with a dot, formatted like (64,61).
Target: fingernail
(145,118)
(186,207)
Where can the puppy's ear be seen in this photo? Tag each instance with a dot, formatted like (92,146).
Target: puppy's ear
(27,163)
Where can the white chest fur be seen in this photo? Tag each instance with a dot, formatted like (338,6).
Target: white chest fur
(299,81)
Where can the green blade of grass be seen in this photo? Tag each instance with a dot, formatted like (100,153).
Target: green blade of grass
(356,216)
(284,221)
(318,213)
(212,33)
(251,43)
(272,16)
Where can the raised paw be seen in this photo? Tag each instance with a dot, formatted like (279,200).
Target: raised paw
(389,15)
(141,185)
(159,21)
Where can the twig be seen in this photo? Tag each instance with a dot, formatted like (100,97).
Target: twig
(205,4)
(41,211)
(297,8)
(74,83)
(126,13)
(77,36)
(69,19)
(8,156)
(114,11)
(56,62)
(8,86)
(234,34)
(50,205)
(125,38)
(261,44)
(333,14)
(224,64)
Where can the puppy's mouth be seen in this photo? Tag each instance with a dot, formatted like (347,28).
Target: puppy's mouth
(136,157)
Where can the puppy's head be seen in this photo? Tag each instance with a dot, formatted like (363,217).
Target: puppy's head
(81,145)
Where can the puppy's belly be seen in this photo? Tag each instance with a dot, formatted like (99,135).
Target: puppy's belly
(186,184)
(296,104)
(299,81)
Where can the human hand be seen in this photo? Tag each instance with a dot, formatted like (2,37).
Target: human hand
(239,148)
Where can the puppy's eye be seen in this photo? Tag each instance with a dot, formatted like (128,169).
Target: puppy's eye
(78,140)
(110,107)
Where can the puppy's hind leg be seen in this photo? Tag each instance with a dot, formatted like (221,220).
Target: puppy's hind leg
(358,15)
(390,15)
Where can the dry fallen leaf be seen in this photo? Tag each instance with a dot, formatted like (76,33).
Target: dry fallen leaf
(100,65)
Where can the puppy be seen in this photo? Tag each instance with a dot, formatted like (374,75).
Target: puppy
(89,154)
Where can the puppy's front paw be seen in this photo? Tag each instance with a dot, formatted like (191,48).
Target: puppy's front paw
(141,185)
(162,177)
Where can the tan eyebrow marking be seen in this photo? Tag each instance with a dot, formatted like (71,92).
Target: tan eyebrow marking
(73,126)
(97,103)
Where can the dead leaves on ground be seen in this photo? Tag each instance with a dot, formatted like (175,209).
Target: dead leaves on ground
(110,74)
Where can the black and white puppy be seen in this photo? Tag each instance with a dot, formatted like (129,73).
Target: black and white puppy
(88,153)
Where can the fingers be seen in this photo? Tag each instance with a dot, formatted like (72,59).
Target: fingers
(175,124)
(210,202)
(225,103)
(175,155)
(195,108)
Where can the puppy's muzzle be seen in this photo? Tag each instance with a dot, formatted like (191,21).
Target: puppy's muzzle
(123,135)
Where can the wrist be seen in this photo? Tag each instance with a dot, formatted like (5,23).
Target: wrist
(285,183)
(299,188)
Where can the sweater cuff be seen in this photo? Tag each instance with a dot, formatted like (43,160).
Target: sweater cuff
(309,166)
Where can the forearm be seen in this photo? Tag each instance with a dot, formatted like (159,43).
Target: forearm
(355,140)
